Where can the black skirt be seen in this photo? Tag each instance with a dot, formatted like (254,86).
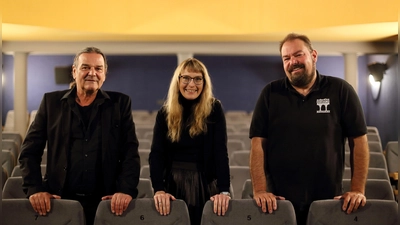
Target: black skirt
(186,182)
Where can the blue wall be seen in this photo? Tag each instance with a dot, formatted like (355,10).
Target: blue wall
(382,112)
(237,81)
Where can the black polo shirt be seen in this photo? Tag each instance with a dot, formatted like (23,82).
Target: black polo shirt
(84,157)
(306,136)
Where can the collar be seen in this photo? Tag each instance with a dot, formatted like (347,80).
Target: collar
(319,81)
(71,94)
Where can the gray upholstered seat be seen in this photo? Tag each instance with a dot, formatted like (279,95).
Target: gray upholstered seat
(374,189)
(239,174)
(142,211)
(145,171)
(17,171)
(145,189)
(144,156)
(13,188)
(373,173)
(13,135)
(63,212)
(376,160)
(329,212)
(246,211)
(239,158)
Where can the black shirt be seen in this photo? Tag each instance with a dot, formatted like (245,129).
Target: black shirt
(306,135)
(188,149)
(84,173)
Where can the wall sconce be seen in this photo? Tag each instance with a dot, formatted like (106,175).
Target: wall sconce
(376,71)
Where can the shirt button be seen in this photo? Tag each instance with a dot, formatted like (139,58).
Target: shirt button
(85,155)
(86,140)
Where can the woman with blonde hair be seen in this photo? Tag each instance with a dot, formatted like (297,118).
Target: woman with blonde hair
(189,158)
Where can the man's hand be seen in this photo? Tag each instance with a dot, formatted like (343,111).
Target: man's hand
(267,200)
(119,202)
(352,201)
(41,202)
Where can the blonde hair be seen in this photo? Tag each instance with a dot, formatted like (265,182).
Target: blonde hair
(202,108)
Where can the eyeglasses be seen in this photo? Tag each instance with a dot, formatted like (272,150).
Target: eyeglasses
(187,79)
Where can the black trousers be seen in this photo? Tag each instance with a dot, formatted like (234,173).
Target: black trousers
(89,204)
(301,214)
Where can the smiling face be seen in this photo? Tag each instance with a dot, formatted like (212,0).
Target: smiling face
(299,62)
(187,86)
(89,73)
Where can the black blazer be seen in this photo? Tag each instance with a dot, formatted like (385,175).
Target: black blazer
(120,157)
(215,154)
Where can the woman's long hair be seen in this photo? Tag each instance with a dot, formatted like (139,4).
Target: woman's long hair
(201,110)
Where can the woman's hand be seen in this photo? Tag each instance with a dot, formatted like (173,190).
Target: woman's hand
(162,202)
(221,203)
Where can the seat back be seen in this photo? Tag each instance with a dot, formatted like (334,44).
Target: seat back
(329,212)
(63,212)
(374,189)
(239,158)
(9,124)
(243,137)
(32,117)
(247,192)
(17,171)
(373,137)
(13,188)
(234,145)
(375,146)
(13,136)
(7,161)
(144,156)
(239,174)
(141,130)
(142,211)
(145,190)
(144,143)
(373,173)
(246,211)
(145,172)
(376,160)
(11,145)
(4,177)
(372,129)
(392,156)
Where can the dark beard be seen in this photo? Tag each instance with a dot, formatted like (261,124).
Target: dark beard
(300,80)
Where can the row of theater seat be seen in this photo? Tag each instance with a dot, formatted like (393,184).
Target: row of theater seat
(240,212)
(13,188)
(237,120)
(238,157)
(377,187)
(239,174)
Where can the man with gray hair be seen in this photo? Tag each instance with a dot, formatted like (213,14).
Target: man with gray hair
(92,148)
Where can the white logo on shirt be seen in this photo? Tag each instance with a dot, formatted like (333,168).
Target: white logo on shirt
(323,105)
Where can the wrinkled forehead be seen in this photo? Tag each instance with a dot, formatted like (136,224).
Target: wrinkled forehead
(293,46)
(91,59)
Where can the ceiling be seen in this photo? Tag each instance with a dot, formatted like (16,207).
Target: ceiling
(198,21)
